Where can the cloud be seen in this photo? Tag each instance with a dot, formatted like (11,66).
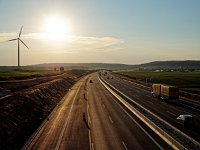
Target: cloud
(98,44)
(72,44)
(6,36)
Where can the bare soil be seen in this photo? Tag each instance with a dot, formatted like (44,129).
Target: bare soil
(27,106)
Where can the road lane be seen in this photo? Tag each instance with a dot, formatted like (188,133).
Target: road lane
(158,107)
(65,128)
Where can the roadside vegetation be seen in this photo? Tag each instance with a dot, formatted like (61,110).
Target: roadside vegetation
(14,74)
(184,80)
(187,81)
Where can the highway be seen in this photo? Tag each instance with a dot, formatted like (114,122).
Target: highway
(112,126)
(167,111)
(89,117)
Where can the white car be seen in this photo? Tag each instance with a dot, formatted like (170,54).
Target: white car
(186,120)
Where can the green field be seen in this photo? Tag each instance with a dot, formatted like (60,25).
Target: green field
(184,80)
(24,74)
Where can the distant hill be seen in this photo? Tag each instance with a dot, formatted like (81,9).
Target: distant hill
(172,65)
(156,65)
(86,66)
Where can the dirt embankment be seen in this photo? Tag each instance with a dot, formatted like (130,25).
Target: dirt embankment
(23,112)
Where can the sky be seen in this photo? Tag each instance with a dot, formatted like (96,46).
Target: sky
(99,31)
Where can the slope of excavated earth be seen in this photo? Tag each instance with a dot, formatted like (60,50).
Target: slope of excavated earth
(22,112)
(8,87)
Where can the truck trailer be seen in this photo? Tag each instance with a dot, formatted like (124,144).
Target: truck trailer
(165,92)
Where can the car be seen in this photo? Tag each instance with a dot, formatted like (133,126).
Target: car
(186,120)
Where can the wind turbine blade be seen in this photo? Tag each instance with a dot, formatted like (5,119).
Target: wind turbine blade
(20,32)
(12,39)
(23,43)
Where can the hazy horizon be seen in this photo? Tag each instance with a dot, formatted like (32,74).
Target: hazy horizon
(113,63)
(123,32)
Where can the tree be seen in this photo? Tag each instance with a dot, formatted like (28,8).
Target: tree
(61,68)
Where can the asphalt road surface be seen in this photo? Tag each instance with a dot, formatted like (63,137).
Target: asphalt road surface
(65,128)
(112,127)
(89,117)
(167,111)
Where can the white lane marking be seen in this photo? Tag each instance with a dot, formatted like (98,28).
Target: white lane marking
(171,113)
(90,140)
(89,119)
(66,122)
(108,89)
(189,106)
(90,124)
(124,145)
(5,96)
(150,102)
(157,144)
(92,146)
(110,119)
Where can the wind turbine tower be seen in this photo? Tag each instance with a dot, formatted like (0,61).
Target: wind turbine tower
(19,40)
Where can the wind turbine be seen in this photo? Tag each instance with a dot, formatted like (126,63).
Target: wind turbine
(19,40)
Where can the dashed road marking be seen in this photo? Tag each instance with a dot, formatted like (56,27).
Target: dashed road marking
(171,113)
(5,96)
(110,119)
(150,102)
(124,145)
(188,106)
(92,146)
(90,140)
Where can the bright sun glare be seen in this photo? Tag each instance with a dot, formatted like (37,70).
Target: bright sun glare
(57,28)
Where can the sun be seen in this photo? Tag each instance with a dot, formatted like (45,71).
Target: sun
(57,27)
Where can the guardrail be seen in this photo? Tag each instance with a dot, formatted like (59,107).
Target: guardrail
(171,135)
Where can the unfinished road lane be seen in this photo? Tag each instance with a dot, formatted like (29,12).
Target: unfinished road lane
(112,127)
(65,128)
